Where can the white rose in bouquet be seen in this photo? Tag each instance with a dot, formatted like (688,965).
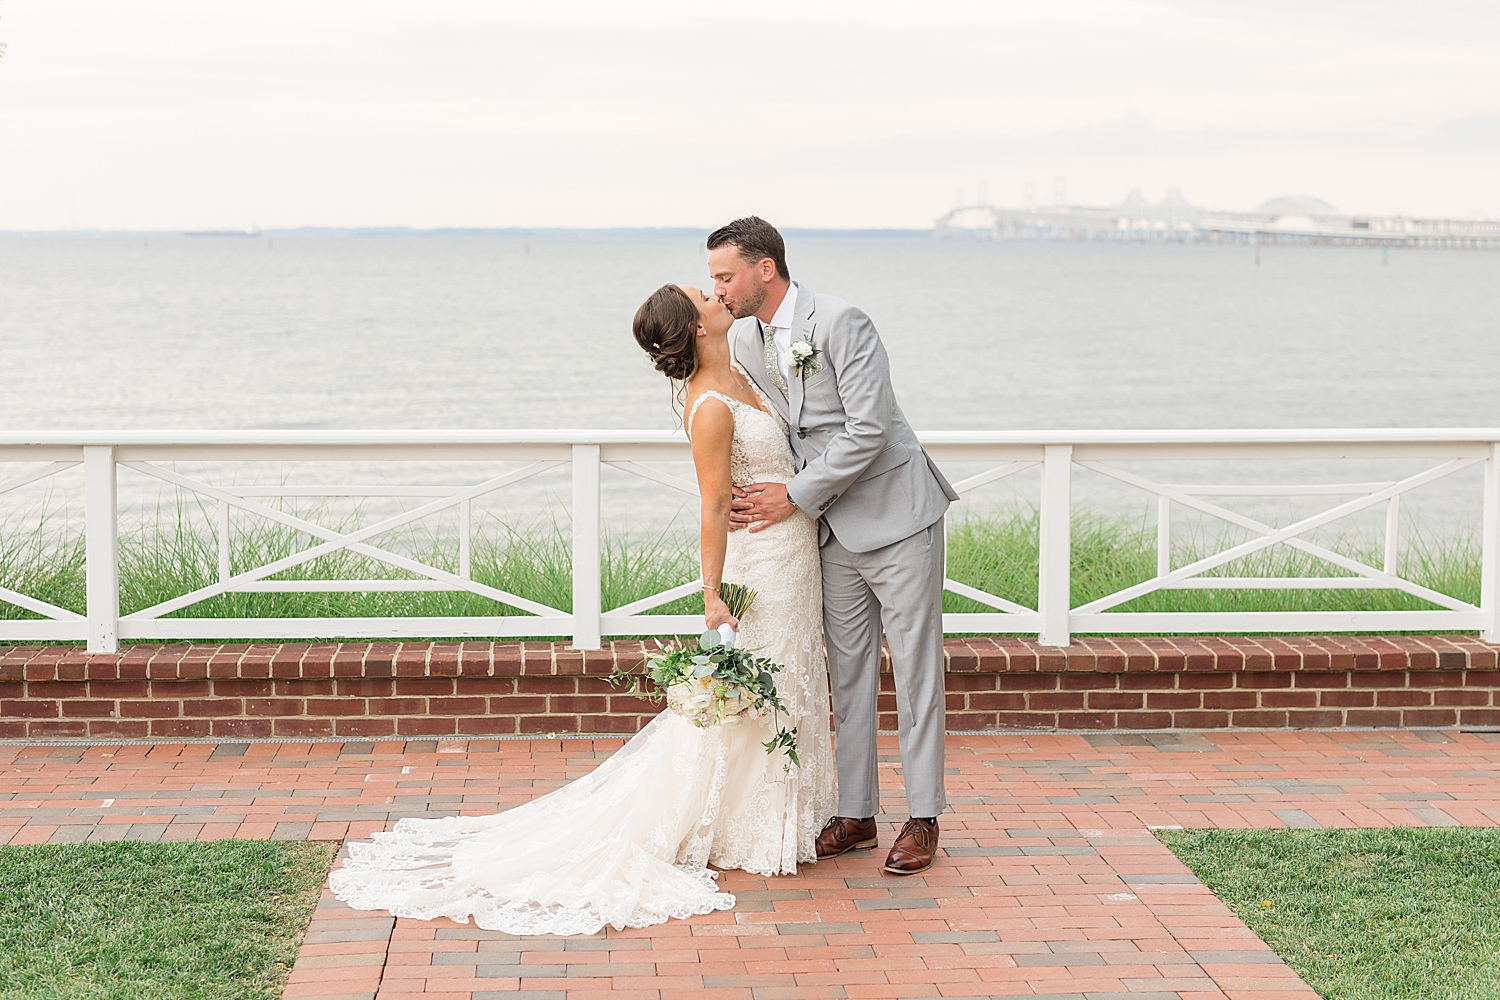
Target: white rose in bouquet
(733,706)
(693,700)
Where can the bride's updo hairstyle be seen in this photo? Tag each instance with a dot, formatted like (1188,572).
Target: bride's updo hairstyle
(666,327)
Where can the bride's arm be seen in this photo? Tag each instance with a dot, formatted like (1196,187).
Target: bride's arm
(713,429)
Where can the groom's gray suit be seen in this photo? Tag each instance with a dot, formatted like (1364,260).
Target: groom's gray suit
(880,503)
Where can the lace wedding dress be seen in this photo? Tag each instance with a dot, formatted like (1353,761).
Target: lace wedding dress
(629,844)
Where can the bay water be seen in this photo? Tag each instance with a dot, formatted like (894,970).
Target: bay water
(176,332)
(533,331)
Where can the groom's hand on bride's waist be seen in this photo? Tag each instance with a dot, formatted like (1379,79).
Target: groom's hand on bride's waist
(759,505)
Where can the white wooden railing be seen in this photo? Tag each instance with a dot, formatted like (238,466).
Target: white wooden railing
(27,458)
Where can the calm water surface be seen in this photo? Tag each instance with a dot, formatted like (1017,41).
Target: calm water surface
(417,332)
(429,333)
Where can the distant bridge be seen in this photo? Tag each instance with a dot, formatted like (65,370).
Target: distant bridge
(1143,223)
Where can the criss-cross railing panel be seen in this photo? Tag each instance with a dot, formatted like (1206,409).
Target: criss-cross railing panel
(1090,616)
(1188,576)
(1014,617)
(58,622)
(354,541)
(35,475)
(636,453)
(631,619)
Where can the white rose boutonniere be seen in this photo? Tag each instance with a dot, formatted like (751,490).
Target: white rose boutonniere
(802,357)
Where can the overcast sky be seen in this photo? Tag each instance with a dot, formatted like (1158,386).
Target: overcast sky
(156,114)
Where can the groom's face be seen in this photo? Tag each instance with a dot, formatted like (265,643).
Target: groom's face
(738,284)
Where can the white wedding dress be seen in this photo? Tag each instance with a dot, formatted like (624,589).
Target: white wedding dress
(629,844)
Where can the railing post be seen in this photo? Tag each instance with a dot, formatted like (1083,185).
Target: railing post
(101,549)
(465,541)
(587,600)
(1489,552)
(225,568)
(1163,536)
(1392,564)
(1054,590)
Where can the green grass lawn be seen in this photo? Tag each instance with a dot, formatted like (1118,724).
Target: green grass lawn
(132,921)
(1364,914)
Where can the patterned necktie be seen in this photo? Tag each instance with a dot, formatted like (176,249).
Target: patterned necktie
(773,370)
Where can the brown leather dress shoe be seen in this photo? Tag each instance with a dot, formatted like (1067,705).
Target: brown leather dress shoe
(842,835)
(914,847)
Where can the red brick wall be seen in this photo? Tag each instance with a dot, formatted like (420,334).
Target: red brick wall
(415,689)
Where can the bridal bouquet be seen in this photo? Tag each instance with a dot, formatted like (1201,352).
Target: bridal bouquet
(715,684)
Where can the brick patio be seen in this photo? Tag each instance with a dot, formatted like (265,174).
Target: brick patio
(1052,884)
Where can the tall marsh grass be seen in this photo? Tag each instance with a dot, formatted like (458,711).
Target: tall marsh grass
(172,555)
(998,554)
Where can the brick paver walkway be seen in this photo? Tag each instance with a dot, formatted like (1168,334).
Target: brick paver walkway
(1052,884)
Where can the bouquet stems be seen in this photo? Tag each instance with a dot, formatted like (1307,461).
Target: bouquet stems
(736,597)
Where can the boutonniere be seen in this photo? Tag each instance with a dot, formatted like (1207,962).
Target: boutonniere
(803,357)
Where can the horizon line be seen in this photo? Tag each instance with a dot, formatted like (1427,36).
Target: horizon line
(319,230)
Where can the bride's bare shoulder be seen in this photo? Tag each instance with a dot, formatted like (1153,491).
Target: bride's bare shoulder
(714,420)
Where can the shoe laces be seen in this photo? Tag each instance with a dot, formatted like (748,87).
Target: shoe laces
(919,831)
(847,827)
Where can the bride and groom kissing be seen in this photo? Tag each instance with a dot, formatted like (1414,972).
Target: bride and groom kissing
(816,495)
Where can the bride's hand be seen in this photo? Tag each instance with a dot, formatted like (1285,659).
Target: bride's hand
(716,612)
(738,518)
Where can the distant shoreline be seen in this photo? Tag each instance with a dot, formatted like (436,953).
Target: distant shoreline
(449,232)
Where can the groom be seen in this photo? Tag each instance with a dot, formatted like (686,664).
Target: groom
(879,502)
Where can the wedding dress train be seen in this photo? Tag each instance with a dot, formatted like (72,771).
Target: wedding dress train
(629,844)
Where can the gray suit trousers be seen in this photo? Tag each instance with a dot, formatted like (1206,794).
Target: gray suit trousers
(901,587)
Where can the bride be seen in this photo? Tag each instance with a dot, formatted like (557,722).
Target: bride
(630,844)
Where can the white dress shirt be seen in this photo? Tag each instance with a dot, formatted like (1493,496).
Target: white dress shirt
(781,330)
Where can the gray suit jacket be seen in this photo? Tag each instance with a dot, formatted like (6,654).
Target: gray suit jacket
(862,471)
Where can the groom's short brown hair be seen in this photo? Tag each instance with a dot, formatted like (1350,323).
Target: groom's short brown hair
(755,239)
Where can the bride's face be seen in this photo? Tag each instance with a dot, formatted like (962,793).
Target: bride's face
(713,314)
